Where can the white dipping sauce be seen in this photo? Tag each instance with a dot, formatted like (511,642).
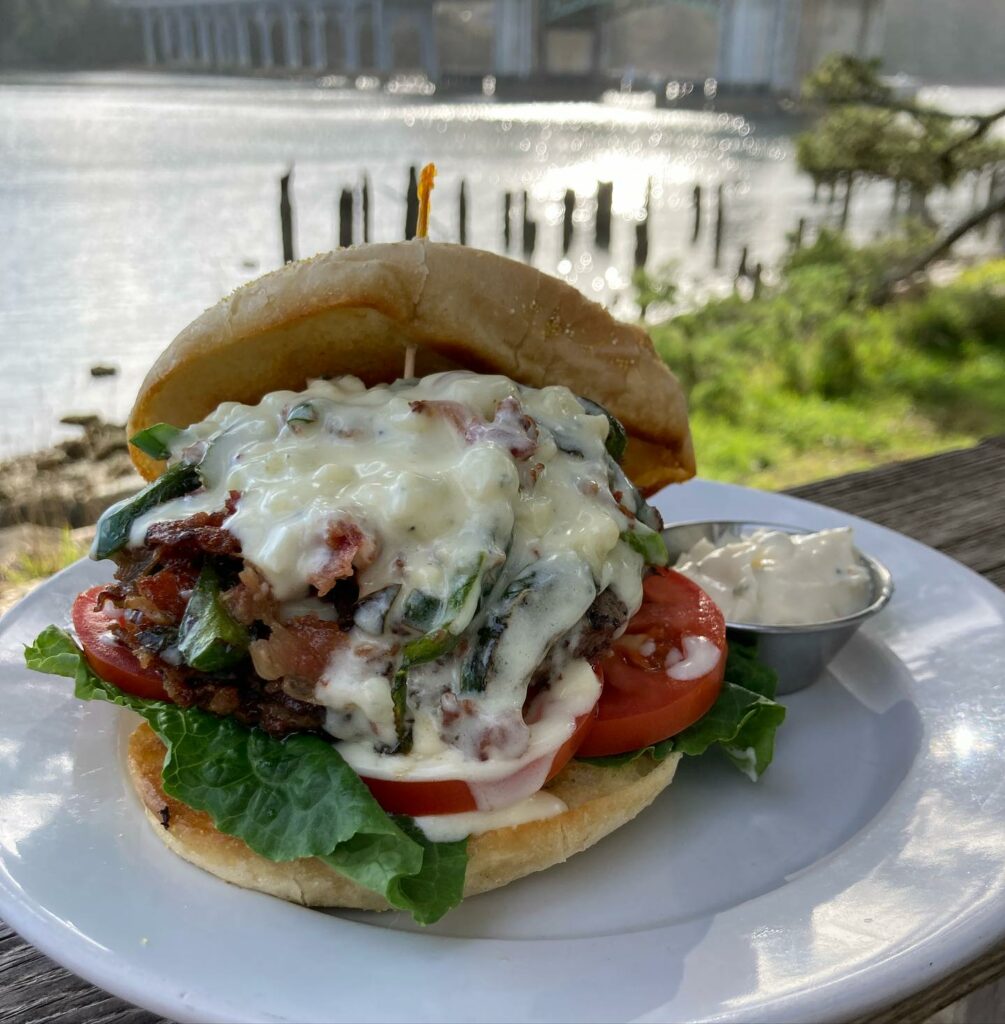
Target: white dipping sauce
(773,578)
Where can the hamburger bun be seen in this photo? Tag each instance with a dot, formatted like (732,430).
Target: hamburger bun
(354,311)
(599,800)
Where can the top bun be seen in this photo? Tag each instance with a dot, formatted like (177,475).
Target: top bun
(354,312)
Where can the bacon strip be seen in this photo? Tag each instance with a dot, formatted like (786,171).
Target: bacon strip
(510,427)
(348,546)
(203,531)
(251,598)
(299,648)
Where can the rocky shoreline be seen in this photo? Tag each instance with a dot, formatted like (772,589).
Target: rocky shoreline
(71,484)
(50,500)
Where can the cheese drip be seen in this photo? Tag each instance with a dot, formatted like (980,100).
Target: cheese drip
(459,491)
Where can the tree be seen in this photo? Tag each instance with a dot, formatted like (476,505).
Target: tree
(865,132)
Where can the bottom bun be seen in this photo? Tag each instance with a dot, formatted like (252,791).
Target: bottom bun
(599,801)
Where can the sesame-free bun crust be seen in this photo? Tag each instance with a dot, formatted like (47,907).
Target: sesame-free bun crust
(354,311)
(599,801)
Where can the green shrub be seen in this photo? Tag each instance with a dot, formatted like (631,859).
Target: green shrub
(809,380)
(835,369)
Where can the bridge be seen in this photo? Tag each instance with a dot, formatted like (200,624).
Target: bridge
(763,44)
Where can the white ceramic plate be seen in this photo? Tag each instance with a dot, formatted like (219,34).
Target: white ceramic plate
(869,862)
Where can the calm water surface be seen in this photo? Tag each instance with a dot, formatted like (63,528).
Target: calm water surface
(131,203)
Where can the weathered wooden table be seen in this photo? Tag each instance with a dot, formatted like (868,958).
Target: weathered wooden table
(954,502)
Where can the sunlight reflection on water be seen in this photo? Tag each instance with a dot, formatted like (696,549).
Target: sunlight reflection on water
(132,202)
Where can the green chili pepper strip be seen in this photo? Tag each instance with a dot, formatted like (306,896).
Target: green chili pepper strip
(399,700)
(648,543)
(421,610)
(115,524)
(617,436)
(302,413)
(156,441)
(432,645)
(479,663)
(209,638)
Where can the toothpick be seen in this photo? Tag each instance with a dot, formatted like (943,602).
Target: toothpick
(427,178)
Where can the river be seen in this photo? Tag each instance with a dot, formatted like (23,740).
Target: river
(131,202)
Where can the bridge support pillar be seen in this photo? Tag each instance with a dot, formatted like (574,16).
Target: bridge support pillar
(871,28)
(242,39)
(514,46)
(427,43)
(186,43)
(291,38)
(773,44)
(319,41)
(350,36)
(203,37)
(758,43)
(263,21)
(221,44)
(381,37)
(149,42)
(165,29)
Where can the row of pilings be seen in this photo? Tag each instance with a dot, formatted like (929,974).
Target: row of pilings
(519,227)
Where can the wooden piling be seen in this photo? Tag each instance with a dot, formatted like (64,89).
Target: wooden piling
(345,215)
(696,203)
(365,204)
(568,209)
(741,270)
(286,216)
(462,214)
(797,238)
(507,220)
(412,204)
(846,202)
(529,232)
(605,196)
(642,231)
(719,227)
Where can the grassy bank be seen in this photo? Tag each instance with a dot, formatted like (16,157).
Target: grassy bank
(808,380)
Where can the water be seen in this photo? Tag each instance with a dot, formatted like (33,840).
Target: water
(130,203)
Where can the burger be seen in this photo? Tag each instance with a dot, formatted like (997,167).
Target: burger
(403,636)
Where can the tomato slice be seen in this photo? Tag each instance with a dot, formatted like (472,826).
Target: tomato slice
(110,658)
(453,796)
(642,702)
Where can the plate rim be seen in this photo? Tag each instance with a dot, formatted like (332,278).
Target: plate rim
(892,977)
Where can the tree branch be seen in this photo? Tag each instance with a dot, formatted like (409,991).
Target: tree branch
(884,292)
(981,128)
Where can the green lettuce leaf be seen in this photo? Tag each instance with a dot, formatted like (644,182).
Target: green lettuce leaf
(741,723)
(288,798)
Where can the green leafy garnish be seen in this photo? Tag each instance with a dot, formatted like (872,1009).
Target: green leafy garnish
(115,524)
(286,799)
(209,638)
(156,441)
(741,723)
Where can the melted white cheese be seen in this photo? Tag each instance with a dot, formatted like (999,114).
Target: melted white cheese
(495,781)
(780,579)
(448,828)
(443,476)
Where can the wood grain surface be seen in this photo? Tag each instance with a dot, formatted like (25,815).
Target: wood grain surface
(954,502)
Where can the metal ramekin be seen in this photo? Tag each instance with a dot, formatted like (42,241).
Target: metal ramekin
(798,654)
